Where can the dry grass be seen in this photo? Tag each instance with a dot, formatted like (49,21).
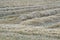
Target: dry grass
(57,25)
(24,3)
(30,20)
(41,21)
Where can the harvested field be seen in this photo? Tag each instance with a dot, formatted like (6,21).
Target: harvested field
(29,19)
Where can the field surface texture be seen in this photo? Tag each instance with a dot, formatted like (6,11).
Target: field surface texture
(29,19)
